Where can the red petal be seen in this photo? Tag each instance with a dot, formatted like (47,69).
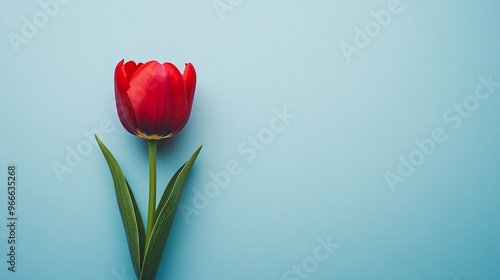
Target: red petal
(189,77)
(130,68)
(178,104)
(121,80)
(158,97)
(190,81)
(123,105)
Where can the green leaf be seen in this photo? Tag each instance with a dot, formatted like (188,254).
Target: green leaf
(141,231)
(167,192)
(131,216)
(164,220)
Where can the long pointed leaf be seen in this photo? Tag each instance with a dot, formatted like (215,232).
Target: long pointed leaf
(163,224)
(167,192)
(131,216)
(140,227)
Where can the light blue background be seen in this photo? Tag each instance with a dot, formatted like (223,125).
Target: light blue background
(321,177)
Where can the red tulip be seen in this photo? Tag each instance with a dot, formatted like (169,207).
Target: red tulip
(154,100)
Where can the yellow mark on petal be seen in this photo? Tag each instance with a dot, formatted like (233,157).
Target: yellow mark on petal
(151,137)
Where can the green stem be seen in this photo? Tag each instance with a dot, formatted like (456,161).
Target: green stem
(152,186)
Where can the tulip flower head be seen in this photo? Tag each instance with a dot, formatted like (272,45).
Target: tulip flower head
(154,100)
